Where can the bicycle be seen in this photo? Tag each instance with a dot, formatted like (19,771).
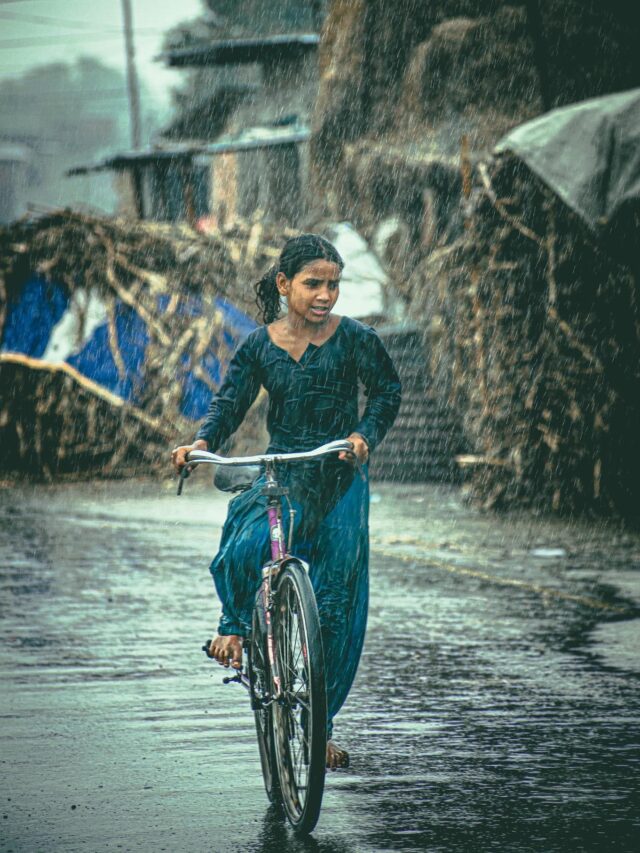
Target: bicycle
(285,675)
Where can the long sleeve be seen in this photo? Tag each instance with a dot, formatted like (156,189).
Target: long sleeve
(234,397)
(382,387)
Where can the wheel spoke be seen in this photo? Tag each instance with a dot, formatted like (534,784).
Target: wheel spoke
(300,701)
(295,727)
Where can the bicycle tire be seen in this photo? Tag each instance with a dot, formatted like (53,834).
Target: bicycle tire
(259,673)
(299,718)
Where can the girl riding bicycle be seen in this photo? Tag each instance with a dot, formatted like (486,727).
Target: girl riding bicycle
(310,362)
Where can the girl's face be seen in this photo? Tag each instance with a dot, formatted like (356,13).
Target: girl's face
(312,292)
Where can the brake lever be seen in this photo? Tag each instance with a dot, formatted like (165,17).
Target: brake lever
(358,465)
(184,473)
(360,468)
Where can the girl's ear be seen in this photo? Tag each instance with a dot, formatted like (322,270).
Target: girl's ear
(282,283)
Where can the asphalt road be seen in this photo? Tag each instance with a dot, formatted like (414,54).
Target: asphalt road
(496,706)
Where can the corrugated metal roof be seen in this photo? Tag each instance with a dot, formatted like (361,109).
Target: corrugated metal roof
(237,51)
(250,139)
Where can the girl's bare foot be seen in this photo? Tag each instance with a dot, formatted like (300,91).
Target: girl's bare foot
(336,756)
(227,650)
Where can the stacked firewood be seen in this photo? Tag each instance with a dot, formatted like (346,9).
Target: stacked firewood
(55,421)
(535,338)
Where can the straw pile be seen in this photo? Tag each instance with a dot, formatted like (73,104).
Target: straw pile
(53,420)
(535,334)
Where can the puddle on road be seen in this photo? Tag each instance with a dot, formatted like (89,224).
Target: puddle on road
(617,644)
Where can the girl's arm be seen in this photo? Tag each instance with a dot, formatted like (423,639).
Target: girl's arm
(382,388)
(233,399)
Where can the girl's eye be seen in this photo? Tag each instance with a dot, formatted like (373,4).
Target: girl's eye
(313,284)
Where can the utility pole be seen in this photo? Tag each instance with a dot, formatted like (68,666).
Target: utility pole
(132,77)
(316,14)
(536,29)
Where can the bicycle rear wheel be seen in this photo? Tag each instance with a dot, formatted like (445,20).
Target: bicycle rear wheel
(261,683)
(300,716)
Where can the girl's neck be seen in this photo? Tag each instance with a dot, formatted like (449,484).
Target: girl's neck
(300,327)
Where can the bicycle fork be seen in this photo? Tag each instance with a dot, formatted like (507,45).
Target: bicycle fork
(274,494)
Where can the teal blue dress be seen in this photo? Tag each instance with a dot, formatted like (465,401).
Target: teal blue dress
(311,401)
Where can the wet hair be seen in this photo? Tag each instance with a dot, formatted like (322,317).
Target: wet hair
(296,254)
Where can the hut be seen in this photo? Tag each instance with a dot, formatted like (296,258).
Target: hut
(15,172)
(270,178)
(241,151)
(193,182)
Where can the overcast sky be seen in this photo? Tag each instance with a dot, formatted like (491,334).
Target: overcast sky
(34,32)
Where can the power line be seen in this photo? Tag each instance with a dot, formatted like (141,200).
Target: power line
(12,44)
(86,98)
(44,93)
(48,20)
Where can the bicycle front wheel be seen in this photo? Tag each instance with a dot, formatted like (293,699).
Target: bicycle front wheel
(300,715)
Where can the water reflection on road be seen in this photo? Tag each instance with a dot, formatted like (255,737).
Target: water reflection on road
(496,707)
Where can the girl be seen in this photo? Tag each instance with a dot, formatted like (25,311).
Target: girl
(310,362)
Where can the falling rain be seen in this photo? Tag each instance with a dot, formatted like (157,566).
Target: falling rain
(474,168)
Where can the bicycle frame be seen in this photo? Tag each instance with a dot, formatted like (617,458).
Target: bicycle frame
(278,552)
(280,555)
(285,675)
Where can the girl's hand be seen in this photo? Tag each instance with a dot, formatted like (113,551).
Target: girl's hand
(360,449)
(179,454)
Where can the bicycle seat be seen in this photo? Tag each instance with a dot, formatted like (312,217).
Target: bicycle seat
(235,478)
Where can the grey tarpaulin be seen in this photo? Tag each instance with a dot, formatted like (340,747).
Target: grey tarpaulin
(588,153)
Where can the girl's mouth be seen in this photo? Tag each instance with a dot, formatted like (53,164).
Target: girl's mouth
(319,311)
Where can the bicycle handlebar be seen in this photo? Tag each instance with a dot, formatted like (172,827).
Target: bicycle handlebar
(197,457)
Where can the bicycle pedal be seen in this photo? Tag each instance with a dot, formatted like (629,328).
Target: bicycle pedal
(229,679)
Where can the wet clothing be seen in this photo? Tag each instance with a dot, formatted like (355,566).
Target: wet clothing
(311,402)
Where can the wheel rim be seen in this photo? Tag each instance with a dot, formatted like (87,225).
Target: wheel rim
(293,712)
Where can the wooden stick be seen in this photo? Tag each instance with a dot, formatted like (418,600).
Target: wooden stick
(88,385)
(504,213)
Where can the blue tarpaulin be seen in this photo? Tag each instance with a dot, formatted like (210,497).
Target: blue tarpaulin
(30,320)
(42,309)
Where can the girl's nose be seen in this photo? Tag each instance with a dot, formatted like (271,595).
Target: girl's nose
(324,295)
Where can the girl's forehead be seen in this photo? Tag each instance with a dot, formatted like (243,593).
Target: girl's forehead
(321,268)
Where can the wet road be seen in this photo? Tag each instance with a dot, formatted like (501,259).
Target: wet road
(496,707)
